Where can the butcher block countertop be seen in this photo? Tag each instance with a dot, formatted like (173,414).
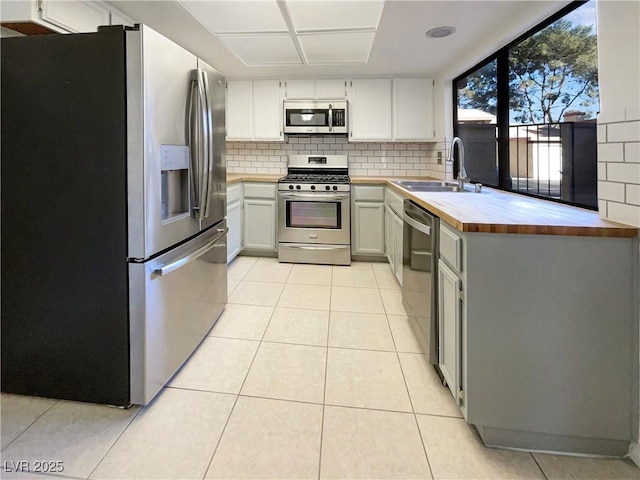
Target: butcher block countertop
(495,211)
(252,177)
(492,211)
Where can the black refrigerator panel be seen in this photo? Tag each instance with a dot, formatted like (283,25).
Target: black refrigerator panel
(65,326)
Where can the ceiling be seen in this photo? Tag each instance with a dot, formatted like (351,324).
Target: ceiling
(303,38)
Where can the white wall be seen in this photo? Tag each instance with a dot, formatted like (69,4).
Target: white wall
(619,120)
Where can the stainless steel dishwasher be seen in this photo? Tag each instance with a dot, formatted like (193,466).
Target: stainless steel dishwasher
(420,276)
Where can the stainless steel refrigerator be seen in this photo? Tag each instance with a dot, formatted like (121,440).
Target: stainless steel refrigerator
(113,205)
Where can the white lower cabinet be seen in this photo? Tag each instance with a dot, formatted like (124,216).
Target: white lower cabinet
(398,236)
(260,217)
(394,234)
(234,220)
(367,220)
(451,311)
(394,231)
(449,326)
(389,238)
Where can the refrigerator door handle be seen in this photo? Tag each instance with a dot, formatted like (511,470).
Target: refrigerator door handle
(203,152)
(194,145)
(207,167)
(200,146)
(173,266)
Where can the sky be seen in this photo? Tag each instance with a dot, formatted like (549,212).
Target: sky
(585,15)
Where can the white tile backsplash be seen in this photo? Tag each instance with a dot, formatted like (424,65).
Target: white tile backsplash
(610,152)
(623,213)
(624,172)
(619,167)
(611,191)
(633,195)
(623,132)
(632,152)
(365,158)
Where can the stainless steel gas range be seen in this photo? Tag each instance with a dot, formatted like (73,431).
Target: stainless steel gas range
(314,211)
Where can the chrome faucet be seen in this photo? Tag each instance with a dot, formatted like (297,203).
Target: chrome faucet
(462,174)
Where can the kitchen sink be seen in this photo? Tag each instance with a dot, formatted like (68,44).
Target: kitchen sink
(429,186)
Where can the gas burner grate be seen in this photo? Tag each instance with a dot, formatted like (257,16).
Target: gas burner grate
(315,178)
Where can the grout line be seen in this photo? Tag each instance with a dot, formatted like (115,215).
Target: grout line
(55,402)
(324,391)
(329,346)
(355,407)
(189,389)
(404,378)
(415,415)
(224,429)
(133,417)
(262,397)
(539,466)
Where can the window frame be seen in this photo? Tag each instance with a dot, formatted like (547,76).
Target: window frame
(501,56)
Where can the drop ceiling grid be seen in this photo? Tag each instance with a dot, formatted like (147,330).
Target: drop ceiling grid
(268,32)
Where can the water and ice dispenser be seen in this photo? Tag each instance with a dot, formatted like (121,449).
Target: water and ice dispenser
(174,164)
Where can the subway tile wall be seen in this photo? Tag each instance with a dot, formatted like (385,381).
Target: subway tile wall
(619,166)
(365,159)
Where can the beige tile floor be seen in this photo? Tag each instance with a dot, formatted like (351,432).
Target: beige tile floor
(311,372)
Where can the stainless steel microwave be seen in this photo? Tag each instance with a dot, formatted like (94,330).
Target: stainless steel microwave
(315,117)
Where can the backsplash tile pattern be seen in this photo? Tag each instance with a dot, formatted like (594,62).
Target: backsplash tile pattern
(619,166)
(365,158)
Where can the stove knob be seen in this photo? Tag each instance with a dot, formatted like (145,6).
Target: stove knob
(327,187)
(297,187)
(335,187)
(290,187)
(313,187)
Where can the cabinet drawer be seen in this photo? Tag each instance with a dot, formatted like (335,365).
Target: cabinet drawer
(234,193)
(260,190)
(395,201)
(368,193)
(450,247)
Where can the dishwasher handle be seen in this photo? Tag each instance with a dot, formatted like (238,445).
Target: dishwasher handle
(421,227)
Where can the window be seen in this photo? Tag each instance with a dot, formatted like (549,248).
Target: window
(527,114)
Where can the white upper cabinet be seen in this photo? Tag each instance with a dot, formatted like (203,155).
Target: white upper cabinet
(321,89)
(239,110)
(385,109)
(370,109)
(329,89)
(267,110)
(75,16)
(57,16)
(413,109)
(254,110)
(380,109)
(300,89)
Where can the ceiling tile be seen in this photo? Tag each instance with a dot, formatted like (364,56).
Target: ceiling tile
(238,17)
(337,47)
(332,15)
(263,49)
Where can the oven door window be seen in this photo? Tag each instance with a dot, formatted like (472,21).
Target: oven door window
(307,117)
(311,214)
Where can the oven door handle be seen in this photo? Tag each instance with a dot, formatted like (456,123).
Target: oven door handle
(316,247)
(315,196)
